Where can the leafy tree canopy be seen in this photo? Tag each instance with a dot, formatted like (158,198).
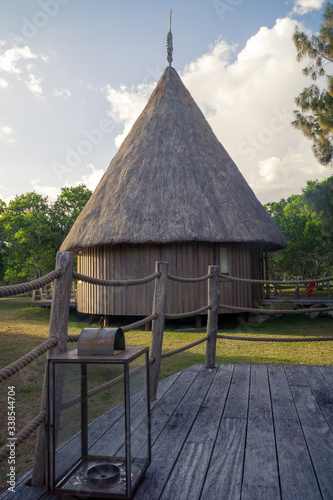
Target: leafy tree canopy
(32,230)
(308,253)
(319,197)
(315,114)
(66,209)
(26,222)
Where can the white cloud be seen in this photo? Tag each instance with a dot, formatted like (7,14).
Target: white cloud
(33,84)
(3,83)
(126,105)
(6,135)
(50,191)
(91,180)
(276,175)
(6,130)
(20,62)
(61,93)
(10,57)
(249,102)
(304,6)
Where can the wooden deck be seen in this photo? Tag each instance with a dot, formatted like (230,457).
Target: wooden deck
(302,301)
(48,303)
(238,432)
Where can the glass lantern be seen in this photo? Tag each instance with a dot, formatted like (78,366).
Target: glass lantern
(98,417)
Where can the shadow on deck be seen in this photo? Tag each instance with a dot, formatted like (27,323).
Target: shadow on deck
(237,432)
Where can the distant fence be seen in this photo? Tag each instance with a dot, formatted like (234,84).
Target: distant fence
(62,277)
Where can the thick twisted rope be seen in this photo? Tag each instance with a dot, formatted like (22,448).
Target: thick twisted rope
(224,277)
(138,324)
(97,281)
(16,366)
(7,291)
(188,314)
(189,280)
(24,434)
(73,338)
(268,339)
(184,348)
(275,311)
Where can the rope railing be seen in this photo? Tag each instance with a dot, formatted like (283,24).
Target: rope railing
(138,324)
(184,348)
(276,339)
(102,282)
(275,311)
(7,291)
(189,314)
(17,365)
(189,280)
(24,434)
(225,277)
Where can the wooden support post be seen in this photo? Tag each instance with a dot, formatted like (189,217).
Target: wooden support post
(159,306)
(329,290)
(267,276)
(213,316)
(58,328)
(297,291)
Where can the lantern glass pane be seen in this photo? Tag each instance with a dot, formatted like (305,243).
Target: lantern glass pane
(67,423)
(99,434)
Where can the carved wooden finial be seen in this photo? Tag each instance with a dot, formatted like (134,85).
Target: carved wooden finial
(169,42)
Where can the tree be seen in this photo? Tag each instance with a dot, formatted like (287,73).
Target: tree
(3,246)
(26,222)
(319,196)
(315,114)
(308,253)
(32,230)
(66,209)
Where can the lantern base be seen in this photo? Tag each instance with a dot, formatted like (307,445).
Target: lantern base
(99,477)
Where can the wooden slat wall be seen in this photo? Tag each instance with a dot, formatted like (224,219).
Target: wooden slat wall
(185,260)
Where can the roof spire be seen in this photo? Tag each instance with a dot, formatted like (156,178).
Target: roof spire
(169,42)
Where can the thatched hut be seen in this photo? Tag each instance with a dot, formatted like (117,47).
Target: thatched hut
(171,193)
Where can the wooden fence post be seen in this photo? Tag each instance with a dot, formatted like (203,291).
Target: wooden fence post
(58,328)
(213,316)
(159,306)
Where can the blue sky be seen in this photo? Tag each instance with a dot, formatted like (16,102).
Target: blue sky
(74,75)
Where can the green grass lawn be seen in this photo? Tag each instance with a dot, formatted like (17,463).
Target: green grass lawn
(22,328)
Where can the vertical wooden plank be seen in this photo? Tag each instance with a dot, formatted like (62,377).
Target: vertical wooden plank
(322,391)
(190,468)
(166,449)
(261,478)
(297,476)
(320,442)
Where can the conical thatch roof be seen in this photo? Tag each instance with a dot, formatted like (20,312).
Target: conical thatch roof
(171,181)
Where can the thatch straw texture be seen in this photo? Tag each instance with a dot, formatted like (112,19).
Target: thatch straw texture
(171,181)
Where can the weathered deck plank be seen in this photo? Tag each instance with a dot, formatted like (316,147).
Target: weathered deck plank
(260,479)
(318,436)
(190,469)
(297,477)
(237,432)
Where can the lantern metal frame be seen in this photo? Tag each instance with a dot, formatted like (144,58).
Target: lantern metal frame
(124,358)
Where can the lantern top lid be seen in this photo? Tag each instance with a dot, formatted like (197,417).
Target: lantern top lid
(124,356)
